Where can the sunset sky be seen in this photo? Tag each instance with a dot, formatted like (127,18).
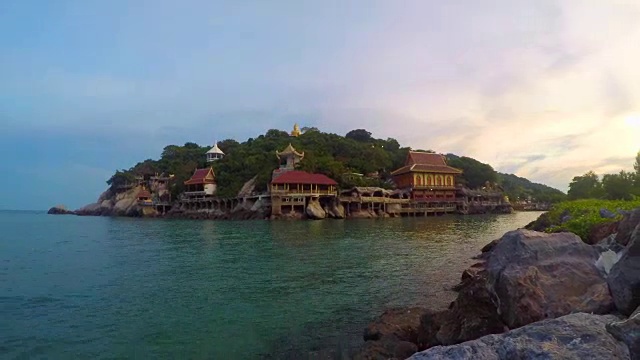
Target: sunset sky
(543,89)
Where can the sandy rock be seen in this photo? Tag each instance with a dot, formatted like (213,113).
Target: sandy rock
(315,211)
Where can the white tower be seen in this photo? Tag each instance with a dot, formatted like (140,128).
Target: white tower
(214,153)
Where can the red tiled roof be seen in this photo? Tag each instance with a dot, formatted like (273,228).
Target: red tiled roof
(444,169)
(424,158)
(303,177)
(200,177)
(144,193)
(427,162)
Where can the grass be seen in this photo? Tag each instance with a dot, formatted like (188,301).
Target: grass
(585,214)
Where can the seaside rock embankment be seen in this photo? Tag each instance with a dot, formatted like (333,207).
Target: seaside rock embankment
(575,336)
(535,293)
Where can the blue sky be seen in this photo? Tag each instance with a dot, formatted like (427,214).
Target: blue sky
(545,89)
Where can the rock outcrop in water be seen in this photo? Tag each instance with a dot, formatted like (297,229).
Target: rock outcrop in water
(534,295)
(60,210)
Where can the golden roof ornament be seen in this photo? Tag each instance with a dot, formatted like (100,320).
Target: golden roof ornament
(290,151)
(296,130)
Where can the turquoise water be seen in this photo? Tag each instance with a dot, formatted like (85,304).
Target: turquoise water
(107,288)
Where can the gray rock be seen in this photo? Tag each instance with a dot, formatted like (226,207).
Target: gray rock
(607,214)
(624,278)
(60,210)
(575,336)
(537,276)
(565,218)
(627,225)
(628,331)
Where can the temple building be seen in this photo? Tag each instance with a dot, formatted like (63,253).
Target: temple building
(214,154)
(144,197)
(296,131)
(298,182)
(201,183)
(428,177)
(289,159)
(292,190)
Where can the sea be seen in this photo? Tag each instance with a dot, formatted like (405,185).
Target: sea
(122,288)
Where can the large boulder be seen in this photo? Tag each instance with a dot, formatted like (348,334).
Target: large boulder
(315,211)
(525,277)
(624,278)
(335,209)
(628,331)
(96,209)
(575,336)
(537,276)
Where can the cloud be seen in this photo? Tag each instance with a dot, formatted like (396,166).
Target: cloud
(539,88)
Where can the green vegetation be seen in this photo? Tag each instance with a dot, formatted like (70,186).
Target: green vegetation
(621,186)
(580,216)
(356,159)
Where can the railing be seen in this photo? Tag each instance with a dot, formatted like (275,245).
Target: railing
(435,187)
(373,199)
(428,209)
(295,192)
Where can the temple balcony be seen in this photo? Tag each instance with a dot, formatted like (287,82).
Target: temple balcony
(305,192)
(434,187)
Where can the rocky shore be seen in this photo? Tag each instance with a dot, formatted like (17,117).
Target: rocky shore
(531,295)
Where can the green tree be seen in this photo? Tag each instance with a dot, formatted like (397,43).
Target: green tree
(121,177)
(361,135)
(586,186)
(618,186)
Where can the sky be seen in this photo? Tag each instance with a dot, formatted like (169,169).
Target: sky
(545,89)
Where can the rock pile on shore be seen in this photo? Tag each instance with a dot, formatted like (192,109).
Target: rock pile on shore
(531,295)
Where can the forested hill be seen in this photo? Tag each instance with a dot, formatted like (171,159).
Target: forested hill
(336,156)
(521,188)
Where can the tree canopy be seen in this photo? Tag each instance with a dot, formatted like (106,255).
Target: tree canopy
(621,186)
